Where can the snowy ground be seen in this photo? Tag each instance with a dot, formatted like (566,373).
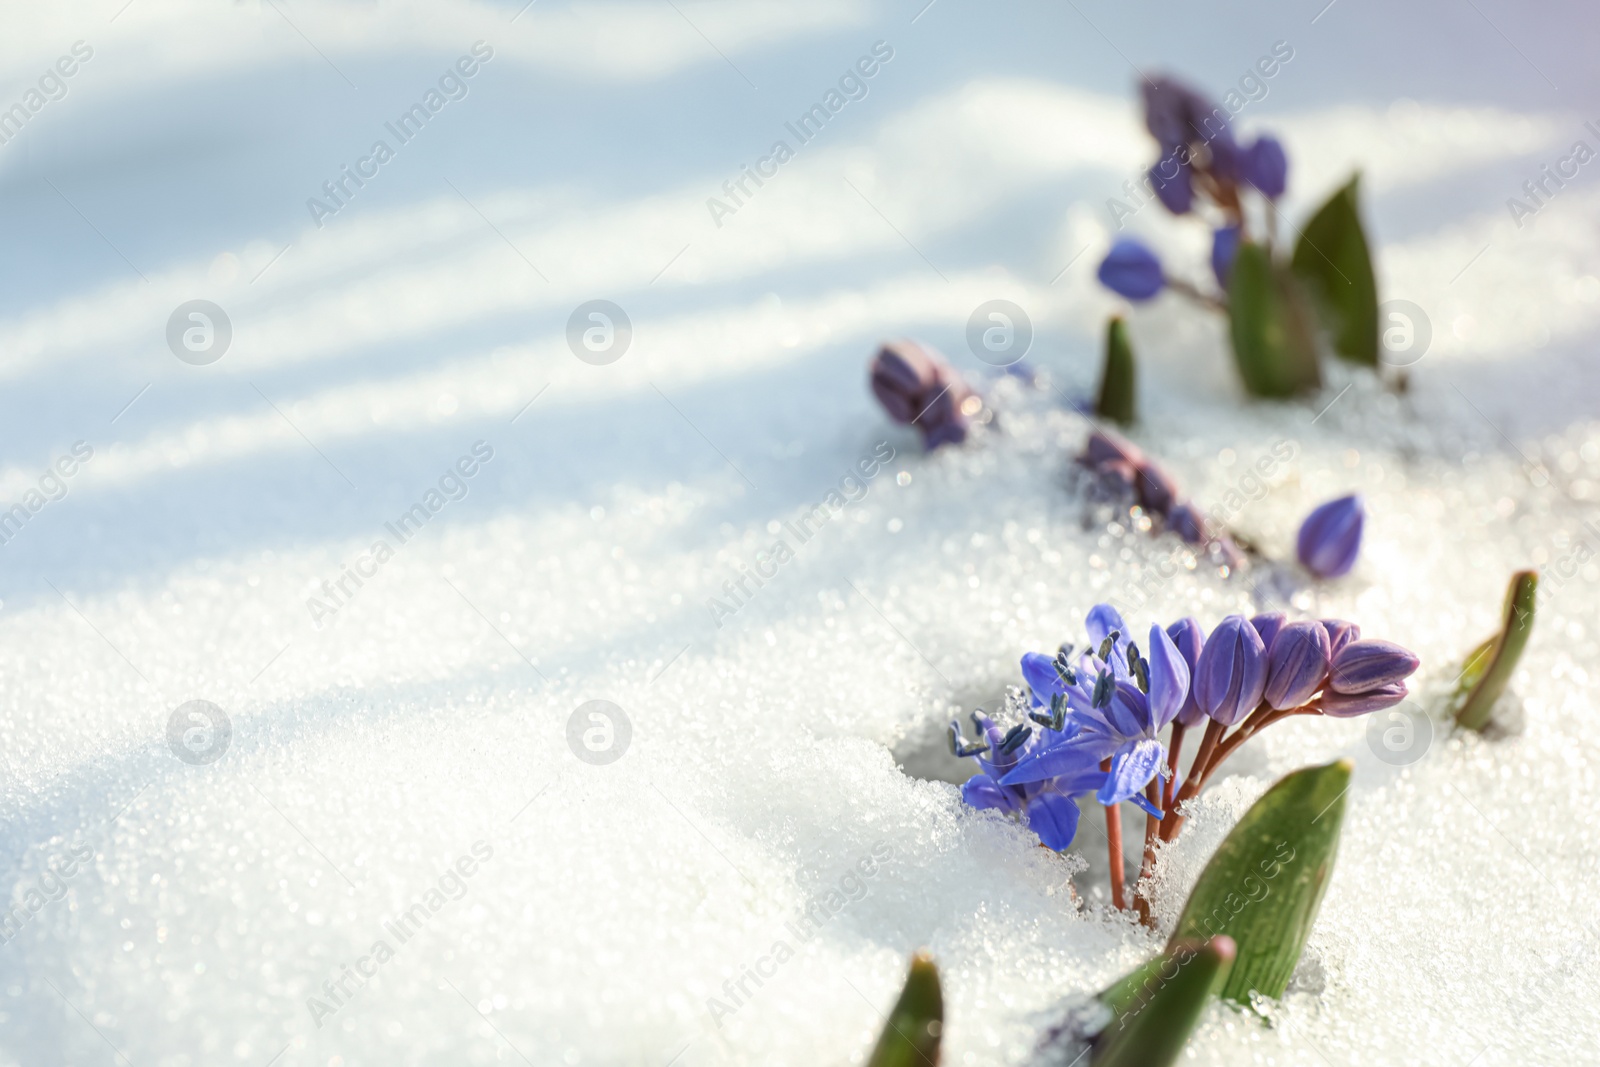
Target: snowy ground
(412,746)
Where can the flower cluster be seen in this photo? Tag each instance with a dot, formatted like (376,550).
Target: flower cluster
(1100,713)
(1200,157)
(918,388)
(1121,464)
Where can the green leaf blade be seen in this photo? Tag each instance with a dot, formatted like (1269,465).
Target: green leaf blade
(1117,400)
(1334,260)
(913,1032)
(1270,325)
(1157,1006)
(1490,666)
(1265,884)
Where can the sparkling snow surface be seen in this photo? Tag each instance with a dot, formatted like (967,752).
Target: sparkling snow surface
(413,747)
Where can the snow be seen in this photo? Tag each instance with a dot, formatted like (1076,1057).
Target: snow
(758,828)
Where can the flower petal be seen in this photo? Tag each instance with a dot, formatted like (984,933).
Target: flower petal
(982,792)
(1040,674)
(1169,678)
(1055,819)
(1063,760)
(1132,768)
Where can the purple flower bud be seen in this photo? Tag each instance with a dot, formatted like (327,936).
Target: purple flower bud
(1174,185)
(916,387)
(1267,625)
(1349,705)
(1157,491)
(1132,270)
(1266,167)
(1297,664)
(1190,639)
(1175,114)
(1104,446)
(1232,672)
(1169,678)
(1363,666)
(1341,633)
(1224,245)
(1227,158)
(1330,538)
(1188,524)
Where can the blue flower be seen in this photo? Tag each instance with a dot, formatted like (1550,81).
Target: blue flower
(1119,702)
(1132,270)
(1224,246)
(1045,805)
(1330,538)
(1175,190)
(1266,167)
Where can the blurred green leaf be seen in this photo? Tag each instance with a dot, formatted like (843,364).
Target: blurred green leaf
(1265,883)
(1117,380)
(1333,259)
(1271,327)
(1155,1008)
(1489,667)
(911,1036)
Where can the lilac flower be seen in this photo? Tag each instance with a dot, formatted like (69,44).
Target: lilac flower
(1330,538)
(1132,270)
(1119,709)
(1364,666)
(918,388)
(1266,167)
(1190,639)
(1046,805)
(1224,246)
(1232,672)
(1297,664)
(1349,705)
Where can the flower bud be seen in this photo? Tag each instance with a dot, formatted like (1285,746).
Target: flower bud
(1104,447)
(1224,243)
(1349,705)
(1190,639)
(1131,270)
(917,388)
(1268,624)
(1187,522)
(1157,490)
(1341,633)
(1232,671)
(1174,185)
(1330,538)
(1297,664)
(1363,666)
(1266,167)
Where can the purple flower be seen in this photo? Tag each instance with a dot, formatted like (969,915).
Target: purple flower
(1267,624)
(1349,705)
(1132,270)
(1177,115)
(918,388)
(1115,716)
(1340,633)
(1330,538)
(1224,246)
(1266,167)
(1157,489)
(1104,447)
(1297,664)
(1232,672)
(1190,639)
(1046,805)
(1175,190)
(1227,159)
(1364,666)
(1188,524)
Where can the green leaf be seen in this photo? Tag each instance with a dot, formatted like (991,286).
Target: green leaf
(1334,261)
(1271,326)
(911,1036)
(1489,667)
(1265,883)
(1117,394)
(1155,1008)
